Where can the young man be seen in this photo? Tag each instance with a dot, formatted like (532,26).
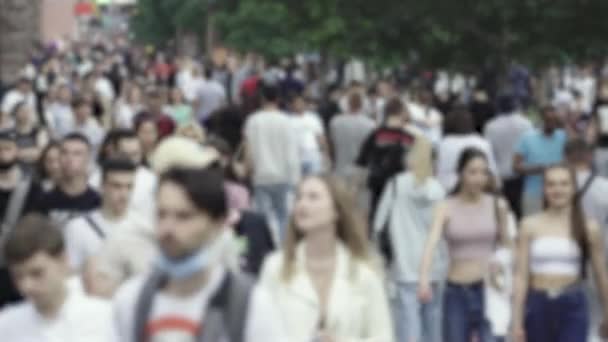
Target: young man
(272,152)
(18,196)
(312,141)
(536,151)
(348,131)
(73,195)
(164,123)
(86,234)
(503,133)
(85,124)
(55,310)
(22,92)
(193,296)
(384,151)
(59,114)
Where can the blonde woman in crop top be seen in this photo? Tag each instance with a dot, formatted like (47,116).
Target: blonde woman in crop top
(471,222)
(554,249)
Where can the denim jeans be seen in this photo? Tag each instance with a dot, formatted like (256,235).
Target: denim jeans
(463,314)
(559,318)
(414,321)
(271,200)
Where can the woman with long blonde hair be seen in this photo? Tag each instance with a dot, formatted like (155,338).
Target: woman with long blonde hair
(323,280)
(405,212)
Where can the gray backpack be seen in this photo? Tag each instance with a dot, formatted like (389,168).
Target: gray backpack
(224,318)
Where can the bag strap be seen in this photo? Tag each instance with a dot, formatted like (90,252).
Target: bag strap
(228,309)
(15,205)
(587,184)
(95,226)
(226,315)
(144,305)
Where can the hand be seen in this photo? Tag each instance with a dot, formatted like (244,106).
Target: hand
(518,334)
(425,293)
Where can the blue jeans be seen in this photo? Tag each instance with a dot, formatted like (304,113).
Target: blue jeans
(463,314)
(559,318)
(414,321)
(271,200)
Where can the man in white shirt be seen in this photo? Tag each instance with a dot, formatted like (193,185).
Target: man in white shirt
(211,96)
(85,124)
(272,153)
(312,141)
(426,118)
(85,235)
(21,93)
(53,310)
(59,115)
(193,296)
(503,133)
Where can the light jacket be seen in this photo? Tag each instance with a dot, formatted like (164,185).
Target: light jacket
(357,309)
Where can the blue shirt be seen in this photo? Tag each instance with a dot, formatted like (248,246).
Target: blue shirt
(538,149)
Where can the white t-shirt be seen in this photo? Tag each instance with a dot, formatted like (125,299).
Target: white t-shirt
(504,133)
(14,97)
(60,119)
(273,146)
(448,154)
(309,127)
(428,120)
(125,114)
(104,88)
(178,319)
(83,240)
(80,319)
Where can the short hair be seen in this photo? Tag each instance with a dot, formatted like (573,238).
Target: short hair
(40,165)
(117,165)
(74,136)
(394,107)
(355,102)
(123,134)
(205,188)
(79,101)
(270,93)
(34,233)
(459,121)
(577,147)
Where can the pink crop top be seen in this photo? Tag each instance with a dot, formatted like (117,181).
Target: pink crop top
(471,229)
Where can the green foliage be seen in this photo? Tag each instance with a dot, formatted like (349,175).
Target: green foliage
(454,34)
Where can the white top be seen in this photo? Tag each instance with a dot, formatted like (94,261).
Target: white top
(273,146)
(357,308)
(82,241)
(309,128)
(555,255)
(428,119)
(60,119)
(504,132)
(594,200)
(125,113)
(212,96)
(80,319)
(104,88)
(177,319)
(13,97)
(448,154)
(91,130)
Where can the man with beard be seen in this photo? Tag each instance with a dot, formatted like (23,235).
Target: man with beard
(18,196)
(193,295)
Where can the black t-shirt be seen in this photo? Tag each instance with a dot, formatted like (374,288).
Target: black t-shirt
(252,229)
(384,152)
(61,207)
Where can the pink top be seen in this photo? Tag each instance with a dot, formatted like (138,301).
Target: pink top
(471,229)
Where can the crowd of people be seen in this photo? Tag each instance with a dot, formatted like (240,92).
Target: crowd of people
(146,197)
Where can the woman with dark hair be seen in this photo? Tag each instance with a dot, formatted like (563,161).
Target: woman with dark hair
(147,133)
(324,282)
(459,135)
(554,251)
(49,169)
(473,221)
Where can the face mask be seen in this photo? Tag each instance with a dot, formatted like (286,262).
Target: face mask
(186,267)
(5,166)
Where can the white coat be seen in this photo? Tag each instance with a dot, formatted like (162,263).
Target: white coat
(357,311)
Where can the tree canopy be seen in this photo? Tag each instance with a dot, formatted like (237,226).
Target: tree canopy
(456,34)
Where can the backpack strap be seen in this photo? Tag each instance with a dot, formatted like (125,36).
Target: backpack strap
(226,315)
(144,305)
(228,310)
(95,226)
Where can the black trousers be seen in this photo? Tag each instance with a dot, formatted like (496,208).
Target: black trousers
(512,189)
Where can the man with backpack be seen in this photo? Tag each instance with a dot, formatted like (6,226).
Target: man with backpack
(192,295)
(384,151)
(18,196)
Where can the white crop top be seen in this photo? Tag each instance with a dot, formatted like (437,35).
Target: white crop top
(554,255)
